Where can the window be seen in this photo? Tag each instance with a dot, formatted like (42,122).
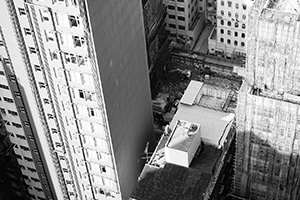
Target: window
(22,11)
(39,163)
(70,58)
(2,110)
(17,94)
(62,89)
(12,112)
(222,31)
(221,39)
(244,6)
(12,78)
(228,41)
(172,25)
(53,54)
(242,44)
(222,12)
(237,15)
(229,3)
(244,17)
(236,34)
(81,60)
(37,68)
(42,85)
(50,116)
(54,131)
(35,179)
(78,41)
(181,9)
(24,148)
(50,36)
(6,60)
(228,32)
(4,87)
(2,73)
(40,190)
(171,16)
(35,151)
(243,26)
(229,23)
(17,125)
(171,7)
(73,2)
(92,112)
(243,35)
(22,109)
(27,31)
(237,6)
(9,100)
(236,24)
(222,22)
(30,137)
(74,21)
(229,14)
(235,43)
(181,27)
(44,15)
(181,18)
(28,159)
(222,3)
(32,50)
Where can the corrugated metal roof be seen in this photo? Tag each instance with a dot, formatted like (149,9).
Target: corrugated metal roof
(191,92)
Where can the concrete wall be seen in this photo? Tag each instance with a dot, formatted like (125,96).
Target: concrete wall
(119,41)
(176,157)
(194,146)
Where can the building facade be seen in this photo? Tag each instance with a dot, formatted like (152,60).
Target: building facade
(76,90)
(157,39)
(184,21)
(228,38)
(12,182)
(267,152)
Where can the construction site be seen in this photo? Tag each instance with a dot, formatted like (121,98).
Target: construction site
(193,149)
(268,113)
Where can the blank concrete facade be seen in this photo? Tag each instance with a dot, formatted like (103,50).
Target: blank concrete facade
(77,76)
(268,117)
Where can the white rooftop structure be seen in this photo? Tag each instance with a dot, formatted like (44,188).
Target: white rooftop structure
(215,124)
(183,143)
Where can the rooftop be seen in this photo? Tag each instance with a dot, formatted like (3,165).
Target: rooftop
(183,135)
(161,180)
(211,105)
(175,182)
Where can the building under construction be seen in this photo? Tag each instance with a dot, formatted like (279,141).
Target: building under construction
(268,113)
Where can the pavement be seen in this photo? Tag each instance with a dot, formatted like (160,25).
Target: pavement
(202,41)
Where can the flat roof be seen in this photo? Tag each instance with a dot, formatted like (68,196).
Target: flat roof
(214,124)
(182,136)
(176,182)
(191,92)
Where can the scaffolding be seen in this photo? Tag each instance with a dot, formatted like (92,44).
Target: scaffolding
(268,124)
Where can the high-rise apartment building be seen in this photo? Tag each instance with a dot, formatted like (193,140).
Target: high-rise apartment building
(12,182)
(228,38)
(268,117)
(184,20)
(75,88)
